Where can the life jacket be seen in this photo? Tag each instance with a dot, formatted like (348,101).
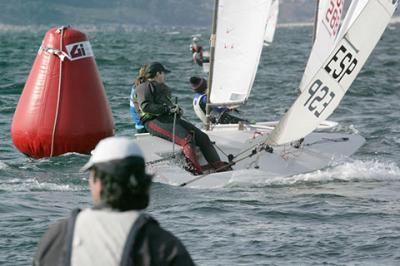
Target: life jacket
(81,248)
(201,114)
(134,107)
(160,94)
(200,109)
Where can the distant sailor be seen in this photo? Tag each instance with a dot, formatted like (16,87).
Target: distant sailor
(159,114)
(218,115)
(197,51)
(116,230)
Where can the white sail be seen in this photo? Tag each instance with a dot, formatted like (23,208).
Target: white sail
(238,46)
(353,12)
(327,22)
(325,90)
(271,23)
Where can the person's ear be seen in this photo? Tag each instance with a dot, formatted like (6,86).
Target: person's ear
(95,187)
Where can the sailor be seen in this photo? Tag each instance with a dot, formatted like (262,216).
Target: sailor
(116,230)
(218,115)
(197,51)
(134,104)
(161,116)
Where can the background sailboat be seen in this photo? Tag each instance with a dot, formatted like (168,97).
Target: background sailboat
(236,46)
(271,23)
(272,11)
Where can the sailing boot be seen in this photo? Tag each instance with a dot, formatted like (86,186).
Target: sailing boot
(221,166)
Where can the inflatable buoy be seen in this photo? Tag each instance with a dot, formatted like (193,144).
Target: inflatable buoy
(63,107)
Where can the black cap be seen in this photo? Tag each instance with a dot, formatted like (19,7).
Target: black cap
(128,170)
(155,67)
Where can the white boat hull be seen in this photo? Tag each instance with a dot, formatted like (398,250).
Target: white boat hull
(318,151)
(206,67)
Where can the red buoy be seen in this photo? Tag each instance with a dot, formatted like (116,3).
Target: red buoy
(63,107)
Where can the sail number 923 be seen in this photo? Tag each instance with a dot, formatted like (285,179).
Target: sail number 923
(320,98)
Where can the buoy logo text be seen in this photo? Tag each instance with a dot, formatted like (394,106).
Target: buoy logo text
(79,50)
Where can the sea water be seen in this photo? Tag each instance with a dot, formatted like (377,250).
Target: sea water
(347,214)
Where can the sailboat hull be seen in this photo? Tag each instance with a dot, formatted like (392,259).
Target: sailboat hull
(317,151)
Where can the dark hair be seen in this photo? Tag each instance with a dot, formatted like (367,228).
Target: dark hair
(198,84)
(154,68)
(125,184)
(141,78)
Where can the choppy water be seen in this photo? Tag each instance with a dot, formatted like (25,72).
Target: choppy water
(348,214)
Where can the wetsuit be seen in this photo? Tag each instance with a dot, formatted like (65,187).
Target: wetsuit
(155,104)
(134,114)
(219,115)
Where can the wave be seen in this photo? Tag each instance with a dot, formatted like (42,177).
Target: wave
(3,165)
(356,171)
(33,184)
(12,88)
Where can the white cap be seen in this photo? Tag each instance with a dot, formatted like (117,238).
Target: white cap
(113,148)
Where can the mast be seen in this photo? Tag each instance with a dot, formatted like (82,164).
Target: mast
(315,21)
(212,55)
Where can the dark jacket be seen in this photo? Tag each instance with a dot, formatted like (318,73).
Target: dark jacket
(154,99)
(152,246)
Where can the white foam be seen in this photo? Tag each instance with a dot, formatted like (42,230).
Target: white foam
(32,184)
(354,171)
(173,33)
(358,170)
(3,165)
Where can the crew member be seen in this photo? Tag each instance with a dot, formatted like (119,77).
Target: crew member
(160,115)
(134,107)
(218,115)
(116,230)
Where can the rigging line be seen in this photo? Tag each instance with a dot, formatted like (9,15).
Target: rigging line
(221,150)
(255,162)
(250,148)
(174,129)
(231,156)
(254,151)
(171,157)
(61,31)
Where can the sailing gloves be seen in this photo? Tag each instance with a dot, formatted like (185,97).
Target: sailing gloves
(175,109)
